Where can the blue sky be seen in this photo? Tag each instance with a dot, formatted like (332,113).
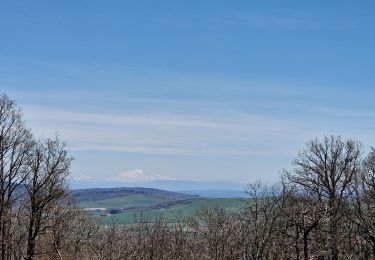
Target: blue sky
(189,90)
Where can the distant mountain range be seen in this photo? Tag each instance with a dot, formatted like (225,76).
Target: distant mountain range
(217,193)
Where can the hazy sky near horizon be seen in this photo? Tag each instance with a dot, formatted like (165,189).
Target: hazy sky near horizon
(195,90)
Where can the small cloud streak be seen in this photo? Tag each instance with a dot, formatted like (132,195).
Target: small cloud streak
(81,177)
(137,175)
(166,133)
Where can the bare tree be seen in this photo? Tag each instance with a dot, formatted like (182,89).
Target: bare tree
(15,143)
(46,186)
(301,218)
(63,216)
(218,231)
(364,203)
(325,170)
(261,216)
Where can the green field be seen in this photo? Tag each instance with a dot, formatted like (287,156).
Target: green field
(124,202)
(148,210)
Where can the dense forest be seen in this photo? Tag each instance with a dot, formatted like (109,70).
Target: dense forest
(322,208)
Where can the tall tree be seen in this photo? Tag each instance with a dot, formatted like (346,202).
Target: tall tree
(364,203)
(46,185)
(261,216)
(15,144)
(325,170)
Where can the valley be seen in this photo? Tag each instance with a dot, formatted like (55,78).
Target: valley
(125,205)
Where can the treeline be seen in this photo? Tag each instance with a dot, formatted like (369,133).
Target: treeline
(324,208)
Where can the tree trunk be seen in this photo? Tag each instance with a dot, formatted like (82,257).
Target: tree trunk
(31,239)
(305,246)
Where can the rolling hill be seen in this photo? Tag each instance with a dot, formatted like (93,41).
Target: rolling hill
(95,194)
(123,205)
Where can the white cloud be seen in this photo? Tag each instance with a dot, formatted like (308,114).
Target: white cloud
(137,175)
